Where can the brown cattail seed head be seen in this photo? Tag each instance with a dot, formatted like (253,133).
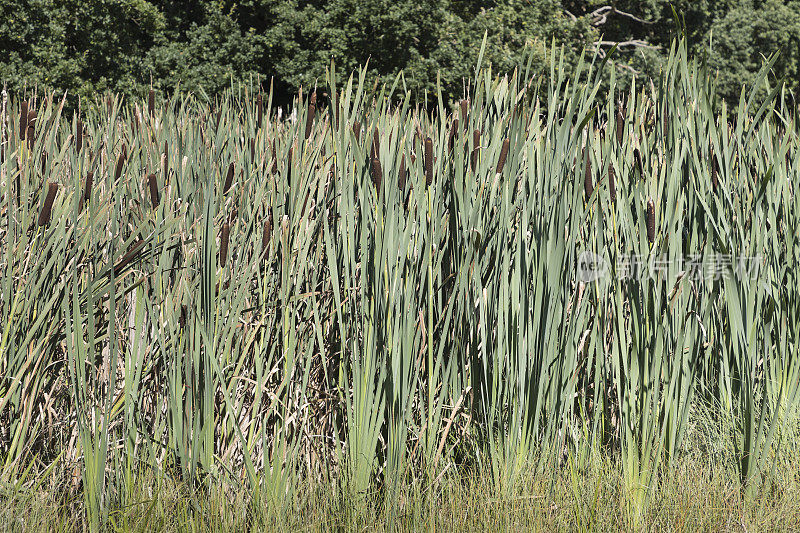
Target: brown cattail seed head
(228,179)
(166,159)
(620,126)
(120,164)
(182,318)
(152,182)
(588,186)
(503,155)
(312,109)
(357,130)
(377,173)
(31,134)
(274,169)
(78,135)
(401,178)
(23,120)
(87,189)
(714,170)
(476,144)
(464,109)
(129,256)
(428,161)
(47,208)
(151,102)
(612,183)
(223,243)
(651,221)
(451,137)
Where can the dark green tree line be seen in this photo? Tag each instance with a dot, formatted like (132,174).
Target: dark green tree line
(126,45)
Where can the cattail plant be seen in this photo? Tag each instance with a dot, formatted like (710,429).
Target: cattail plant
(265,238)
(715,169)
(612,183)
(31,134)
(401,177)
(47,208)
(588,186)
(133,251)
(476,143)
(651,221)
(357,131)
(151,102)
(451,136)
(376,143)
(377,172)
(23,120)
(375,163)
(428,161)
(224,235)
(78,135)
(166,160)
(87,190)
(152,183)
(120,164)
(464,103)
(501,162)
(228,178)
(312,110)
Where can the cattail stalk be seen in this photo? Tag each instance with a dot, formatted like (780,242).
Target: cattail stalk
(588,186)
(129,256)
(47,208)
(23,120)
(451,137)
(714,169)
(503,155)
(651,221)
(78,135)
(120,164)
(153,184)
(401,178)
(223,243)
(476,143)
(87,190)
(312,110)
(428,161)
(228,179)
(612,183)
(31,134)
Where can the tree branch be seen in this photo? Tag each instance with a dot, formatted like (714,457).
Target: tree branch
(600,15)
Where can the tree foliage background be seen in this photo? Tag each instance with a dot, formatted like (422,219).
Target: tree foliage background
(89,47)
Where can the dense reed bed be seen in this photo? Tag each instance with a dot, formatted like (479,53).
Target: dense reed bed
(377,295)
